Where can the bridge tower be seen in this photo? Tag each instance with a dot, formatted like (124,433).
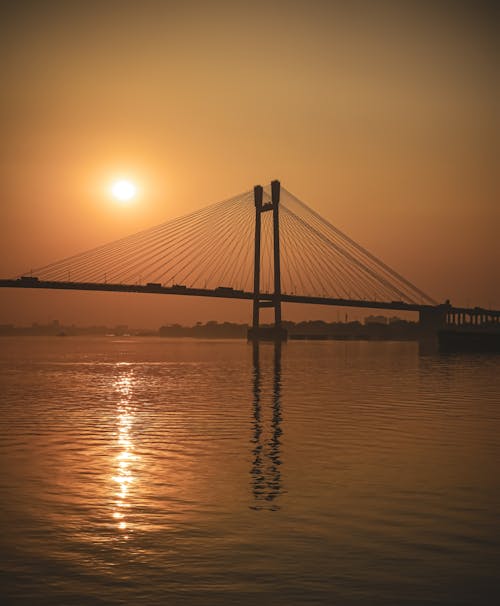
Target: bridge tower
(276,332)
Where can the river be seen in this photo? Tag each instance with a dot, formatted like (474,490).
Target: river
(154,471)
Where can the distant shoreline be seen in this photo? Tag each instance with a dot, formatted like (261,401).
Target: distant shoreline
(394,330)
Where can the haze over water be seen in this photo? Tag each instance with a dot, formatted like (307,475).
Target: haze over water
(194,472)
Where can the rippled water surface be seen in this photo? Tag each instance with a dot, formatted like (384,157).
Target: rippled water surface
(149,471)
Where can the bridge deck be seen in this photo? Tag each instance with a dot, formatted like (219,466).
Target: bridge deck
(228,293)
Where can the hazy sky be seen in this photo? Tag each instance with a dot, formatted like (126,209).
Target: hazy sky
(383,116)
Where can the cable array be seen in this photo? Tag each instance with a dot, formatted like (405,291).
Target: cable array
(320,260)
(214,247)
(204,249)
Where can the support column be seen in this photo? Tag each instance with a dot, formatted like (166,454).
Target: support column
(275,198)
(432,319)
(257,194)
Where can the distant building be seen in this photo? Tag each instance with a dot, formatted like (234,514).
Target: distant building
(395,320)
(375,320)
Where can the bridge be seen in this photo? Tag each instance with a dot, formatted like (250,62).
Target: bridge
(266,246)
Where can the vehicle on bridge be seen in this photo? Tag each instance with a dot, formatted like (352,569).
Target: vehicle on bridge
(153,285)
(29,279)
(179,286)
(228,290)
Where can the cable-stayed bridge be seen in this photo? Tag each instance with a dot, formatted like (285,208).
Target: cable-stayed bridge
(264,245)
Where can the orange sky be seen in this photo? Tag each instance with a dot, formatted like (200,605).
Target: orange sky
(384,118)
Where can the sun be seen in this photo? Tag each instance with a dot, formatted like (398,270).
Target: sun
(123,191)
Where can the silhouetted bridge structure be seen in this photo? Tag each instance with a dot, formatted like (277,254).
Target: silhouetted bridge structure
(266,246)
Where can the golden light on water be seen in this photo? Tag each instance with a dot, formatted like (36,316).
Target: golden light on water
(124,460)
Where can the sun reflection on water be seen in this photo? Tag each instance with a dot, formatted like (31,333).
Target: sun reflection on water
(124,460)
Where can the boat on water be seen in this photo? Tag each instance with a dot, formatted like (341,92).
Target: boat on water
(469,339)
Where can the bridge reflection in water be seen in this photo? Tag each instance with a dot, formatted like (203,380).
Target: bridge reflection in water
(266,432)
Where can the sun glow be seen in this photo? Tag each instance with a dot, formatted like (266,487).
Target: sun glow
(123,191)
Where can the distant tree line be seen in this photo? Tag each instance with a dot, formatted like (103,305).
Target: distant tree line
(212,329)
(395,329)
(373,328)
